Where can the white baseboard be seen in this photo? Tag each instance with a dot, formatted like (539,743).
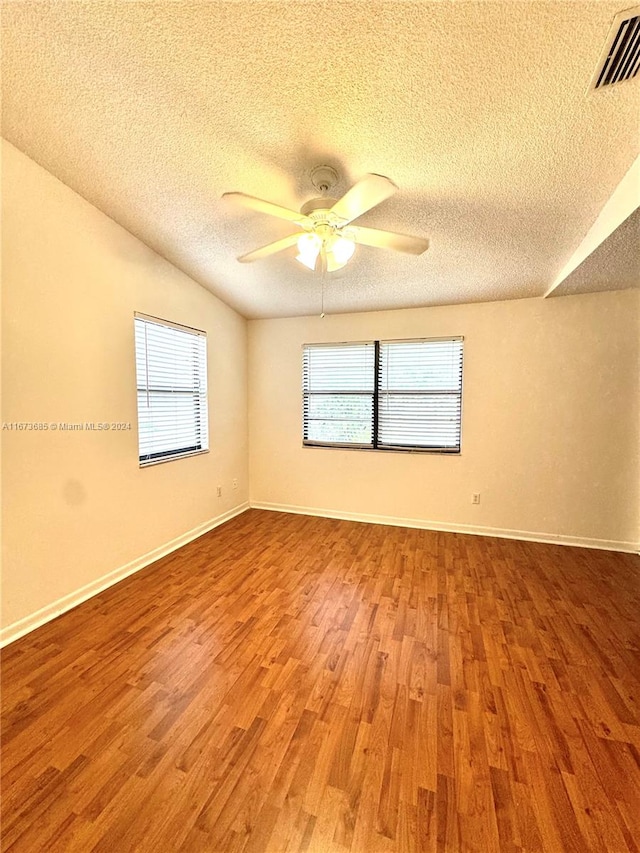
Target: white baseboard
(527,535)
(68,602)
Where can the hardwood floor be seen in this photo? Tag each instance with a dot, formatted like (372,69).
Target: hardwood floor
(288,683)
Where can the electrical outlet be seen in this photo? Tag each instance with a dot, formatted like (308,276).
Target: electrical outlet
(234,483)
(219,491)
(475,498)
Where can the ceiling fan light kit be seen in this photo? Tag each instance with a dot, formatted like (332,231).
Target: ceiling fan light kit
(330,246)
(343,248)
(309,246)
(327,240)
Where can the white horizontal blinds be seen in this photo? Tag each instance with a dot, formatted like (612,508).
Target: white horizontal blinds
(420,394)
(171,371)
(338,385)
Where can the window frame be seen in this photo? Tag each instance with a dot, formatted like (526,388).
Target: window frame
(353,393)
(200,398)
(376,444)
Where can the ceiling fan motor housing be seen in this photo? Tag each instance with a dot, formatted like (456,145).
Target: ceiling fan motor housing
(316,207)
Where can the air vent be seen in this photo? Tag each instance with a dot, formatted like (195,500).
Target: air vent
(620,58)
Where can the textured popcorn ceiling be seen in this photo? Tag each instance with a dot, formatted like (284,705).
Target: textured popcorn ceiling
(614,265)
(477,110)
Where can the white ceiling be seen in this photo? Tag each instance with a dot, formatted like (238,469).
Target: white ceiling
(478,111)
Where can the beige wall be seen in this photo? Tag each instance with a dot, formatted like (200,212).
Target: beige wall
(76,506)
(551,417)
(550,433)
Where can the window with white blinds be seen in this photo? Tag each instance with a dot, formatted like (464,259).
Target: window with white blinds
(338,385)
(420,394)
(171,372)
(384,395)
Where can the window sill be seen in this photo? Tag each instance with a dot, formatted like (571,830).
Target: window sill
(429,450)
(162,460)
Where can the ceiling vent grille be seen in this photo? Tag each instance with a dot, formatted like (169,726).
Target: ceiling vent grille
(620,59)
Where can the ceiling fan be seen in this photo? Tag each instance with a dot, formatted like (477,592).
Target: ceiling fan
(326,240)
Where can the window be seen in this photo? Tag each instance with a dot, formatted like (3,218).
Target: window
(384,395)
(171,371)
(338,394)
(420,394)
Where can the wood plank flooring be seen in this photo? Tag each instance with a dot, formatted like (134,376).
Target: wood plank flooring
(288,683)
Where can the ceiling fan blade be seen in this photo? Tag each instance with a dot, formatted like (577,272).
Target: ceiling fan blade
(364,195)
(263,206)
(389,240)
(271,248)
